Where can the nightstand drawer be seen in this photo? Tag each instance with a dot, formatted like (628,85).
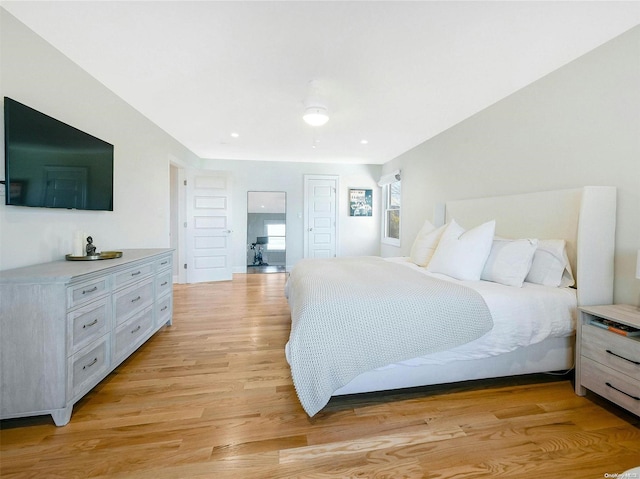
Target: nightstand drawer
(610,349)
(611,385)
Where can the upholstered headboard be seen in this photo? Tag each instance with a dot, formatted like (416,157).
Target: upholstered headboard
(584,217)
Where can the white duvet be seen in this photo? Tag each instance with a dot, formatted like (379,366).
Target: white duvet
(352,315)
(521,317)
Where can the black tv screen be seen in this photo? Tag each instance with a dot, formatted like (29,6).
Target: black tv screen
(53,165)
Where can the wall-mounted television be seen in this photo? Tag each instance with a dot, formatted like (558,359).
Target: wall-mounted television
(53,165)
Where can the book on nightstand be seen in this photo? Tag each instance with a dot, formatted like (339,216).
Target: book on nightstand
(615,327)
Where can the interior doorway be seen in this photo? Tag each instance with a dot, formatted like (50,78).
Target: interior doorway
(266,232)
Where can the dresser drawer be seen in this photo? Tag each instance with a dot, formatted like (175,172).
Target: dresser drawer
(88,323)
(88,366)
(164,310)
(618,352)
(611,384)
(163,263)
(132,274)
(132,333)
(164,283)
(82,293)
(133,299)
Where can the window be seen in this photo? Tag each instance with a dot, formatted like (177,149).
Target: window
(391,193)
(276,232)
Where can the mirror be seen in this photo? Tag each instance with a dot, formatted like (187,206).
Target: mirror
(266,231)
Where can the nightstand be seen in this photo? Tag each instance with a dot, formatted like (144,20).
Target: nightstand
(608,363)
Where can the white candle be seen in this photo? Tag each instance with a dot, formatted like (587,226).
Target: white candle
(78,244)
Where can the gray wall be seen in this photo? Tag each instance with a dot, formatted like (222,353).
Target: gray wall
(579,125)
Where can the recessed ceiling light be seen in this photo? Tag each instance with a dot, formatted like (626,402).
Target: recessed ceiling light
(364,142)
(235,135)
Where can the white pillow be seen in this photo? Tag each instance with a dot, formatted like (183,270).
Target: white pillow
(461,254)
(509,261)
(550,266)
(425,243)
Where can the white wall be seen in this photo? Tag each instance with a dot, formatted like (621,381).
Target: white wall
(357,235)
(579,125)
(34,73)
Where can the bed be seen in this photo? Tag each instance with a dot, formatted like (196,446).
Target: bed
(374,324)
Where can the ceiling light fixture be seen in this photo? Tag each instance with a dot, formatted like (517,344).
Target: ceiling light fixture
(316,115)
(315,112)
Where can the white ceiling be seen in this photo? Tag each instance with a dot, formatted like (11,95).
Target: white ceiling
(392,73)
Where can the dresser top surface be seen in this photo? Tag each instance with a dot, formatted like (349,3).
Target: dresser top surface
(64,271)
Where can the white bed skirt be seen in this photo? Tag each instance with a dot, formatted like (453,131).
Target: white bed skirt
(553,354)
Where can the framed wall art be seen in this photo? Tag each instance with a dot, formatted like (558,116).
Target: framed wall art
(360,202)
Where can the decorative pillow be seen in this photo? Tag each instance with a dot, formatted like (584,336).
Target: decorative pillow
(461,254)
(425,243)
(550,266)
(509,261)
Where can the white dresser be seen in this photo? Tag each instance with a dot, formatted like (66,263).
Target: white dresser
(65,325)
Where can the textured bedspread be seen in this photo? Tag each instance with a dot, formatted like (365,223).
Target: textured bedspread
(351,315)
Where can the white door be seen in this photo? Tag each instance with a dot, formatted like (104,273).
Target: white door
(178,219)
(321,220)
(208,226)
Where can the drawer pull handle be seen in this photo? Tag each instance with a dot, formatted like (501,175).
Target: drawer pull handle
(95,360)
(92,323)
(621,391)
(136,273)
(135,299)
(164,284)
(164,309)
(136,330)
(85,291)
(163,263)
(637,363)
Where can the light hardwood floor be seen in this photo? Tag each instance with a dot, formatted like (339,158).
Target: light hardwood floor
(211,397)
